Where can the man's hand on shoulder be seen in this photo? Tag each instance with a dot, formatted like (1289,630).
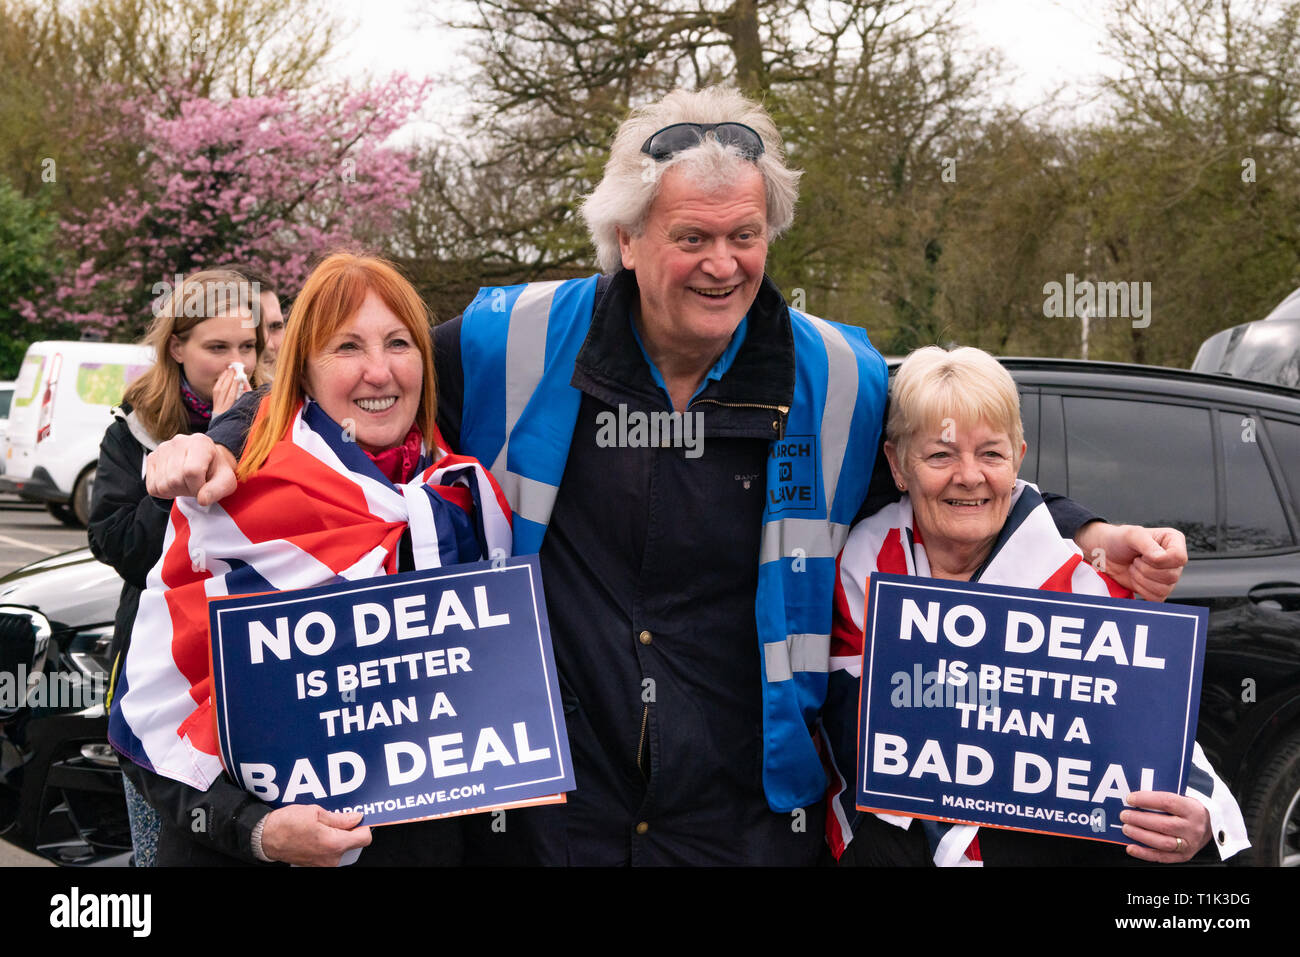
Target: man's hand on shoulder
(190,465)
(1148,561)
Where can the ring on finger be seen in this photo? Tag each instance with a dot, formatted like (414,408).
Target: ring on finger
(1178,845)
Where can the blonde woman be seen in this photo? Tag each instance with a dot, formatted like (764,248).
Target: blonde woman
(201,331)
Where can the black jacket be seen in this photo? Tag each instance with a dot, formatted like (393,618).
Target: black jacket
(126,531)
(126,525)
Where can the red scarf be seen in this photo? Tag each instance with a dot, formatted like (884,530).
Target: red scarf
(400,462)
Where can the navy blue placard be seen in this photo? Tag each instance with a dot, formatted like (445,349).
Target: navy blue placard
(1051,741)
(405,696)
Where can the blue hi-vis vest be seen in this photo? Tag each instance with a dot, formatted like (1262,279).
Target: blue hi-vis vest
(518,348)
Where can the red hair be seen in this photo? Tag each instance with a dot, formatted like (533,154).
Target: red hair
(329,300)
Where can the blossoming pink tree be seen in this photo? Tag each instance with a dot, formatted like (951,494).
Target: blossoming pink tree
(274,180)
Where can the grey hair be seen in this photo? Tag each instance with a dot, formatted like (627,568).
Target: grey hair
(631,182)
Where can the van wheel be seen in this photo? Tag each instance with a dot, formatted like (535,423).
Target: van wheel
(1272,810)
(81,497)
(63,513)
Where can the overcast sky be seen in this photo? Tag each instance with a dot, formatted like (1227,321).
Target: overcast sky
(1046,43)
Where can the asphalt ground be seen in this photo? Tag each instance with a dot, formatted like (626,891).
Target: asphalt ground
(28,533)
(11,856)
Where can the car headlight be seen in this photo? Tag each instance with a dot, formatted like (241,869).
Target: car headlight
(89,652)
(86,668)
(24,641)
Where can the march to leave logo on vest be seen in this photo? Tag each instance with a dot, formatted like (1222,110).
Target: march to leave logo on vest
(795,488)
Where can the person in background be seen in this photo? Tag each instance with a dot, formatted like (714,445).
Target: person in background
(190,381)
(271,317)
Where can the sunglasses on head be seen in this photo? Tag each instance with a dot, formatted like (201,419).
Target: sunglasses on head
(671,140)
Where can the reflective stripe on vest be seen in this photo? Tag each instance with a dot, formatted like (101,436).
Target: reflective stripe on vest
(516,415)
(525,363)
(796,653)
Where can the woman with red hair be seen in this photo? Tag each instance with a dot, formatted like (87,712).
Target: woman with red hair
(344,478)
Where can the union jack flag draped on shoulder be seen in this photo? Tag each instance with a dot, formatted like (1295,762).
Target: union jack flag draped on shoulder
(1029,553)
(318,512)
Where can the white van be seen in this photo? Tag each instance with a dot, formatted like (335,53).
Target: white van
(6,398)
(61,408)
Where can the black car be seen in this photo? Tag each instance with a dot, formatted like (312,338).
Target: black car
(60,786)
(1216,457)
(1219,459)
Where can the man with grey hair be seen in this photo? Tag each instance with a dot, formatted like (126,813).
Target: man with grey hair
(686,454)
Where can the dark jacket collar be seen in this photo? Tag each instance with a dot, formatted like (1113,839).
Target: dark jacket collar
(611,366)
